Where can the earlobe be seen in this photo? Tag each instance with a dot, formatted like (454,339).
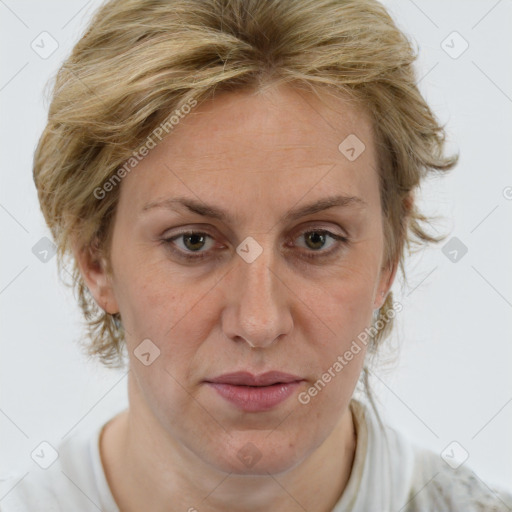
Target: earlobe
(379,300)
(94,270)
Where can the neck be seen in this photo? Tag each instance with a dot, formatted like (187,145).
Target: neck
(148,470)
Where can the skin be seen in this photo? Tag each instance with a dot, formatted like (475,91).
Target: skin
(257,155)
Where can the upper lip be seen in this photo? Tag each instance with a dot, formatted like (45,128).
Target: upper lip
(248,379)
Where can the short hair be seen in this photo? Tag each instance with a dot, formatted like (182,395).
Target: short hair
(140,61)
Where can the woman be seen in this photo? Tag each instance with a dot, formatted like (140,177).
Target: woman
(235,180)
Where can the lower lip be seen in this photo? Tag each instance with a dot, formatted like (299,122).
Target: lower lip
(255,398)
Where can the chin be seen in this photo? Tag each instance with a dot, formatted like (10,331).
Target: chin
(256,454)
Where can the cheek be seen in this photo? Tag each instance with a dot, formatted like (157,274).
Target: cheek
(340,349)
(345,303)
(345,308)
(175,313)
(143,303)
(147,296)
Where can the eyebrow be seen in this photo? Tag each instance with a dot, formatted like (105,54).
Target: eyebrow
(214,212)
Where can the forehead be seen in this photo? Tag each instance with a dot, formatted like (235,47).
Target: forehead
(263,147)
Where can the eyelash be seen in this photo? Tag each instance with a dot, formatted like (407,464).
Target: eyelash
(343,240)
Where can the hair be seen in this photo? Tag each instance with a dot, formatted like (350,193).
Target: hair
(141,60)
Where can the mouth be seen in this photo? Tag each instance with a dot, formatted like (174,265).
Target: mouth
(255,393)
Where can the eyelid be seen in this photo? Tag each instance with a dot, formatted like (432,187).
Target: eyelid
(321,228)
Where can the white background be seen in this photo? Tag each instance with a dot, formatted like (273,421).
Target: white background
(453,380)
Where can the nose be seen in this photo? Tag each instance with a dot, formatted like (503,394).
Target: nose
(258,303)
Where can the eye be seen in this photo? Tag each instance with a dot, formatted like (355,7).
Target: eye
(190,244)
(316,240)
(320,242)
(196,245)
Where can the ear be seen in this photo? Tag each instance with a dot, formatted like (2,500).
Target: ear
(95,273)
(386,279)
(388,273)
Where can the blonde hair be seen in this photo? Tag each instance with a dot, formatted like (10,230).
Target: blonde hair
(141,60)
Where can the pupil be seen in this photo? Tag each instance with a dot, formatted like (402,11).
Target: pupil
(317,238)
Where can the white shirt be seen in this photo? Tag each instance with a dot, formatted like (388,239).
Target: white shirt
(389,474)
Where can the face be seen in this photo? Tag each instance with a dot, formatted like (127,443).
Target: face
(250,277)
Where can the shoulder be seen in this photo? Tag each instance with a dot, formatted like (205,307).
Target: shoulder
(69,478)
(411,478)
(22,492)
(438,486)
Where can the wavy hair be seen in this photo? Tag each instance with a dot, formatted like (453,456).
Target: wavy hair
(140,60)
